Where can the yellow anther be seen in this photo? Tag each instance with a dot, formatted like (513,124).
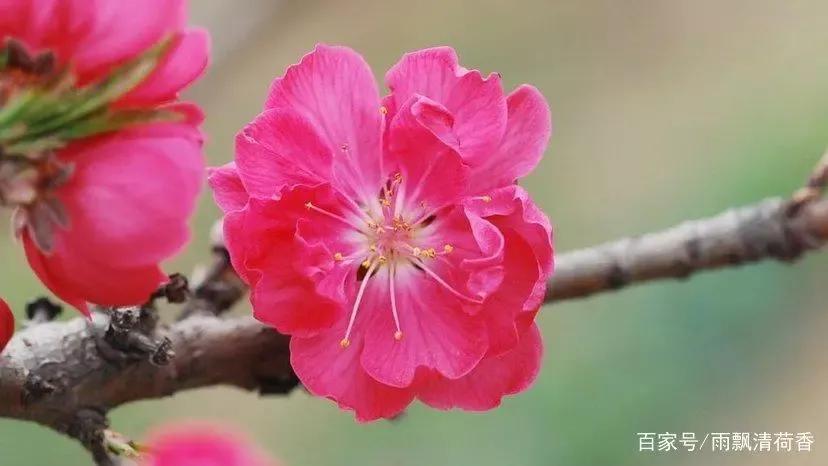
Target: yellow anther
(309,205)
(430,253)
(372,248)
(345,343)
(382,259)
(398,335)
(338,256)
(366,263)
(417,252)
(486,198)
(385,201)
(372,225)
(383,110)
(448,248)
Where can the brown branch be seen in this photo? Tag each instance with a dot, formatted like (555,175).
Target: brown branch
(767,230)
(67,376)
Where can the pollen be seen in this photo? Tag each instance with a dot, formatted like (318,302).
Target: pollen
(430,253)
(416,252)
(486,198)
(345,343)
(366,263)
(448,248)
(383,110)
(385,202)
(338,256)
(382,259)
(398,335)
(309,205)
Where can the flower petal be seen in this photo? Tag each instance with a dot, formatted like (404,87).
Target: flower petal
(184,63)
(199,444)
(228,190)
(79,278)
(334,89)
(433,174)
(122,30)
(281,148)
(131,194)
(327,369)
(478,105)
(484,387)
(283,267)
(437,334)
(6,324)
(527,135)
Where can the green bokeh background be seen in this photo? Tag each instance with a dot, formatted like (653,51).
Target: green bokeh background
(663,111)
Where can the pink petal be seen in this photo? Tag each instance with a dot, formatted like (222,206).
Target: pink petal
(478,105)
(484,387)
(433,173)
(281,148)
(334,89)
(228,190)
(6,324)
(123,30)
(282,266)
(183,64)
(512,208)
(199,444)
(131,194)
(79,278)
(327,369)
(437,334)
(526,138)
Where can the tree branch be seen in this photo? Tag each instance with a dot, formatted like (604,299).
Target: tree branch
(68,375)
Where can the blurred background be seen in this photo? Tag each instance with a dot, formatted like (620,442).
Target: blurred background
(663,111)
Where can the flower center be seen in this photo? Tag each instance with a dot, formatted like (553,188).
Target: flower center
(394,238)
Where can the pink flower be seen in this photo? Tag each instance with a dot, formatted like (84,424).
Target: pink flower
(201,445)
(389,238)
(6,324)
(97,216)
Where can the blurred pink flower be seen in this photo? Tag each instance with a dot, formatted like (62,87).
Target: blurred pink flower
(389,239)
(107,209)
(6,324)
(201,445)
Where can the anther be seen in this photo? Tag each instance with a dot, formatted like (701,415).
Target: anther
(486,198)
(345,343)
(416,252)
(383,110)
(338,256)
(448,248)
(382,259)
(398,335)
(366,263)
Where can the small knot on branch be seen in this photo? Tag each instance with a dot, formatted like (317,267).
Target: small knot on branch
(130,336)
(42,310)
(175,291)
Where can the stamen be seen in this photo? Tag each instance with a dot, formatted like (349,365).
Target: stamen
(445,285)
(447,249)
(383,110)
(332,215)
(338,257)
(391,274)
(486,199)
(345,342)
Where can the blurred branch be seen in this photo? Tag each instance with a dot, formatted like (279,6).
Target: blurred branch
(68,375)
